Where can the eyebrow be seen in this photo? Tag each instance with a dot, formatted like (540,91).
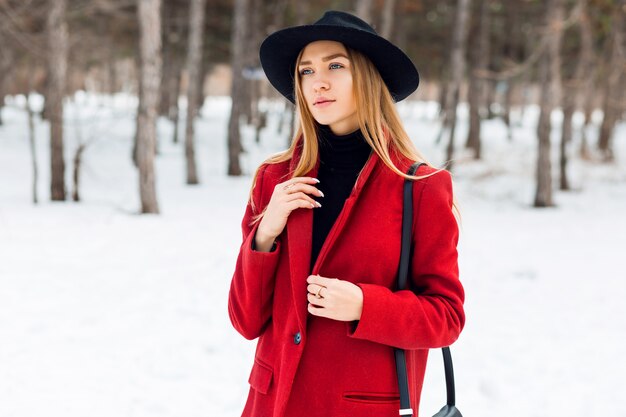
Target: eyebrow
(328,58)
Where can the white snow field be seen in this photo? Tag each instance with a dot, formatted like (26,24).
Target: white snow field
(106,313)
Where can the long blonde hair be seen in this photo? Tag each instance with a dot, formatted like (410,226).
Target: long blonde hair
(378,118)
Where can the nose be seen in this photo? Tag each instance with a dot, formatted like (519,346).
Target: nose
(320,85)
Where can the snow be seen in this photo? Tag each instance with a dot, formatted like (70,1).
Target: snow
(104,312)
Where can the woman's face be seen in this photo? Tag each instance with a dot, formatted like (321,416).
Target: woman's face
(326,82)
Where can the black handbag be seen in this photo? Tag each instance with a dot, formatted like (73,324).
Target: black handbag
(448,410)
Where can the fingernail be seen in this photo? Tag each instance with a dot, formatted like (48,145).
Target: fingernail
(321,193)
(316,180)
(318,204)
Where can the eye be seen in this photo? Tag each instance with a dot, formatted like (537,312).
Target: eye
(305,71)
(335,65)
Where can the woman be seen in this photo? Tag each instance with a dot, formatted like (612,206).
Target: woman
(315,276)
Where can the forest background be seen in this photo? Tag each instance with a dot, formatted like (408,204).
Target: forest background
(494,55)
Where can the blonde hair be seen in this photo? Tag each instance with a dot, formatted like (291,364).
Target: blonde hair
(379,122)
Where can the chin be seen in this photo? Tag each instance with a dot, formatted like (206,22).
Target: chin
(322,121)
(325,120)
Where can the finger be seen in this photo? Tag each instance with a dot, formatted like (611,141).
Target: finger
(312,279)
(295,196)
(304,188)
(316,291)
(318,302)
(296,204)
(298,180)
(313,288)
(308,180)
(317,311)
(324,282)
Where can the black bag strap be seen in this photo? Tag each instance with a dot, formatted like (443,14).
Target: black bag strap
(405,255)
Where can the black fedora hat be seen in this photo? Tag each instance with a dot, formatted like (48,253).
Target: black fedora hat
(280,50)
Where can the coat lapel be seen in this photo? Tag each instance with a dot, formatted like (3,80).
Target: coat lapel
(300,237)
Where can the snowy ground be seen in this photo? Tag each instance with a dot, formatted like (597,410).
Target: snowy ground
(105,313)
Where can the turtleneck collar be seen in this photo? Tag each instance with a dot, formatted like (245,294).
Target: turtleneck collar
(342,151)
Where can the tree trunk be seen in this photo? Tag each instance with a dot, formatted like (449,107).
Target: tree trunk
(254,36)
(150,78)
(550,98)
(169,71)
(516,53)
(480,61)
(238,96)
(32,144)
(169,59)
(364,10)
(289,113)
(57,72)
(111,79)
(566,138)
(389,14)
(140,104)
(490,92)
(194,57)
(612,106)
(543,194)
(78,158)
(457,64)
(573,97)
(586,91)
(401,31)
(303,8)
(7,58)
(175,111)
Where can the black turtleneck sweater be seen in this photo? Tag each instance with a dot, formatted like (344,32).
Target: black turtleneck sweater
(341,161)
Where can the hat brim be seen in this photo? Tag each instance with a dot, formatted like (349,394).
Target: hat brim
(279,51)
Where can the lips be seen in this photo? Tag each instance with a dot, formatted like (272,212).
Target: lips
(322,100)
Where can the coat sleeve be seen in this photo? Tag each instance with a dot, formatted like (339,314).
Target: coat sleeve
(252,287)
(430,314)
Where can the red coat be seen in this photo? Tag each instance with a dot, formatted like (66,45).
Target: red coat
(316,367)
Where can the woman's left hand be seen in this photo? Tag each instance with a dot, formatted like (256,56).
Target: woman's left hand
(334,298)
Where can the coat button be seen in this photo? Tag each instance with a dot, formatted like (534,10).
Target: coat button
(297,338)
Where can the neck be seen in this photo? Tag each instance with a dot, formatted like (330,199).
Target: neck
(349,150)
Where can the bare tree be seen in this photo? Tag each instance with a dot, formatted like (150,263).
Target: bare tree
(150,77)
(612,105)
(32,146)
(389,14)
(364,10)
(514,48)
(574,90)
(585,74)
(194,57)
(174,25)
(550,75)
(7,58)
(479,55)
(457,65)
(288,116)
(303,9)
(168,48)
(57,68)
(78,160)
(238,96)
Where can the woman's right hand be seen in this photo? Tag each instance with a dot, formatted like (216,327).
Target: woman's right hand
(287,197)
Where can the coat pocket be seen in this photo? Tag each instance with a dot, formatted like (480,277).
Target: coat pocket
(372,397)
(261,376)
